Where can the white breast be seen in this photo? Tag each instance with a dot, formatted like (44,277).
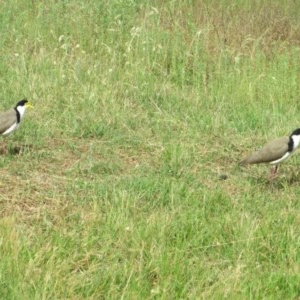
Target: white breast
(11,129)
(284,157)
(296,140)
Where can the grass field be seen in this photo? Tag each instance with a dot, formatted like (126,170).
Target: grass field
(112,187)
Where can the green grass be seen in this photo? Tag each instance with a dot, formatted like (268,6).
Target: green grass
(112,187)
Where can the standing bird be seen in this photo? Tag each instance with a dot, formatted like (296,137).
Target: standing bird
(10,119)
(275,152)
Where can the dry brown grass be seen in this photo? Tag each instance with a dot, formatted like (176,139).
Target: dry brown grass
(239,29)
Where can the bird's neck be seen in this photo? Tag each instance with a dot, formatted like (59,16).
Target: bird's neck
(20,110)
(296,141)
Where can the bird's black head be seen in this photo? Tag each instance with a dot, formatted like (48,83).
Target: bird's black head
(22,102)
(296,132)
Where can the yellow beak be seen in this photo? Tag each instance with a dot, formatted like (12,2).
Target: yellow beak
(28,105)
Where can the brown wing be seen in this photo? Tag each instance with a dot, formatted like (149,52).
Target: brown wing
(270,152)
(7,119)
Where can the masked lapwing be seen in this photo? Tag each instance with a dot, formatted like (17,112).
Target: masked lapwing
(275,151)
(10,119)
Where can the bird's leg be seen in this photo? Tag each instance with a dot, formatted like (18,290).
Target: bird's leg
(273,171)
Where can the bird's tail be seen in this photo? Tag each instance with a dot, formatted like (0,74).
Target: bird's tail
(243,162)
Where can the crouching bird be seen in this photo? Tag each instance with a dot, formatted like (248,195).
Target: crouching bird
(10,119)
(275,151)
